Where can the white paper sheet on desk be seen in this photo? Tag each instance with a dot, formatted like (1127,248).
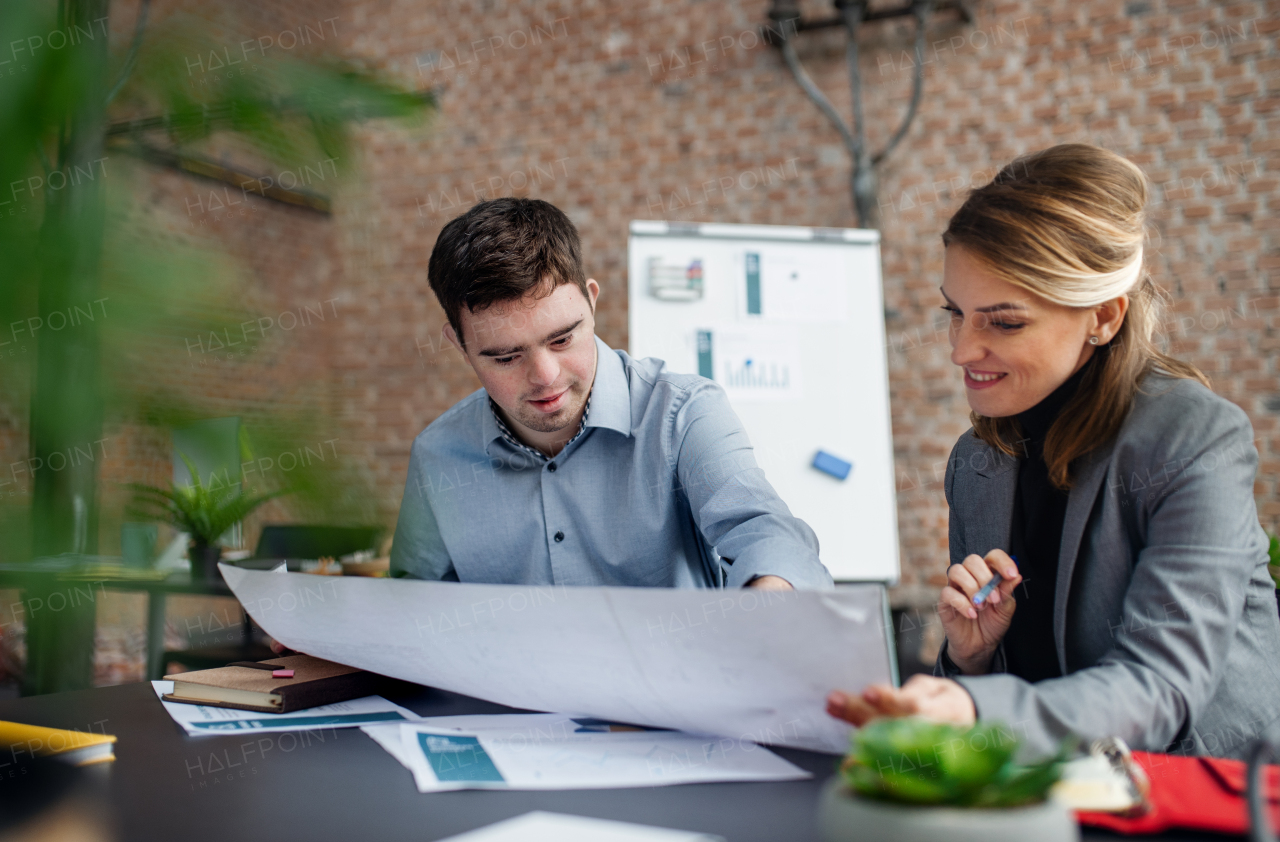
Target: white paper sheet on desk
(209,719)
(549,751)
(559,827)
(751,665)
(387,734)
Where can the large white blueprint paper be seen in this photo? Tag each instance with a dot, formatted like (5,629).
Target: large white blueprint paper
(753,665)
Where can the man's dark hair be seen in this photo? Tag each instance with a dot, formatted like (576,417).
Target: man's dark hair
(502,250)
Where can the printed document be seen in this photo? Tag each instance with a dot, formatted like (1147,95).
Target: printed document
(210,719)
(550,751)
(750,665)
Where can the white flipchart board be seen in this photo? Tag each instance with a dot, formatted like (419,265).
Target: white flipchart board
(790,321)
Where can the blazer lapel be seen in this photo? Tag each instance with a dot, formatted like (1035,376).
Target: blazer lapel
(1084,491)
(987,525)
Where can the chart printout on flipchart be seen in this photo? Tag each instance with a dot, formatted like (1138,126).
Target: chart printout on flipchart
(746,664)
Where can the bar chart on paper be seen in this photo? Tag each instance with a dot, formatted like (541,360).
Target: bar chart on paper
(790,322)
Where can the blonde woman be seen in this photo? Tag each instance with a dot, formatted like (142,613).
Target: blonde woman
(1139,605)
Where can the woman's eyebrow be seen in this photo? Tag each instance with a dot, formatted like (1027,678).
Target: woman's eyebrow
(994,308)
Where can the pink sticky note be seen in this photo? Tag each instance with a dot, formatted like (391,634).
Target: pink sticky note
(282,673)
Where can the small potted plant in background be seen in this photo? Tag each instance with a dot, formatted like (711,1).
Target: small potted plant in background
(204,512)
(909,780)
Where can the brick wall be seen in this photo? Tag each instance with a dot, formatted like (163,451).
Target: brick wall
(617,111)
(620,111)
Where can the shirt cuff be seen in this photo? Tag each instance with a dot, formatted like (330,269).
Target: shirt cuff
(778,557)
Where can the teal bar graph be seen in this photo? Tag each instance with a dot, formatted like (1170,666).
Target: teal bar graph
(705,368)
(753,284)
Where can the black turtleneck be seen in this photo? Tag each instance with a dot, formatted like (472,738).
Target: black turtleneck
(1036,537)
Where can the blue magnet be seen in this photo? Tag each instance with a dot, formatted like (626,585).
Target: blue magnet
(833,465)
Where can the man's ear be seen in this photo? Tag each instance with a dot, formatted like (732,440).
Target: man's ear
(593,292)
(452,336)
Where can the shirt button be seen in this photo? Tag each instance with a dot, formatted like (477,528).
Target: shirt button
(559,537)
(552,467)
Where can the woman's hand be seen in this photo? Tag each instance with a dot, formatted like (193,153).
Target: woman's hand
(938,699)
(974,631)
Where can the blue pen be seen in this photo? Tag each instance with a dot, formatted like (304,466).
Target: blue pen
(981,596)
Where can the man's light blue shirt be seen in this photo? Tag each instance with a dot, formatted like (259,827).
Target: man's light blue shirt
(660,489)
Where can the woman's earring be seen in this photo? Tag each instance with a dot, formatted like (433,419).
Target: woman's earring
(1093,340)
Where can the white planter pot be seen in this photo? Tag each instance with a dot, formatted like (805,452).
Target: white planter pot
(845,817)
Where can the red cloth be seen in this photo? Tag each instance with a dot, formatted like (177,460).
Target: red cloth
(1198,793)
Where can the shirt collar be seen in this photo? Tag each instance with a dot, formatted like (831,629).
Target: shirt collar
(608,404)
(611,393)
(489,429)
(510,437)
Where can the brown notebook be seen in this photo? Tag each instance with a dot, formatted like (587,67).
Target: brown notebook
(315,682)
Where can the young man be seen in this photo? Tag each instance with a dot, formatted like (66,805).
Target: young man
(576,464)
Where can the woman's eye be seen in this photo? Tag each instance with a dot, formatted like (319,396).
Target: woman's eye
(981,320)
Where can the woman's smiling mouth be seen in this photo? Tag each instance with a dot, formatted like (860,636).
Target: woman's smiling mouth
(974,379)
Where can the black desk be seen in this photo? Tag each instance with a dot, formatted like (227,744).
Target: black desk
(339,784)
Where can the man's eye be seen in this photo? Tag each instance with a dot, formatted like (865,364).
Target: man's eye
(562,341)
(503,360)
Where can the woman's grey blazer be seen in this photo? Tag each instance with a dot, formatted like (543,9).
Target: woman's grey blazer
(1164,614)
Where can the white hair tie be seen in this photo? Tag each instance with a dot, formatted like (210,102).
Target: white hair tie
(1089,290)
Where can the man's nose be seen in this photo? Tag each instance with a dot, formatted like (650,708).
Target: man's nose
(545,369)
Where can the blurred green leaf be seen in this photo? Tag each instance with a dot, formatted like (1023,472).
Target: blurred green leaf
(150,293)
(911,760)
(291,110)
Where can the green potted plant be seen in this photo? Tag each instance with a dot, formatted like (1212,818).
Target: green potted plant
(910,780)
(205,512)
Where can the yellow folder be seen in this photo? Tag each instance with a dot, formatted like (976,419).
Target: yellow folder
(80,748)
